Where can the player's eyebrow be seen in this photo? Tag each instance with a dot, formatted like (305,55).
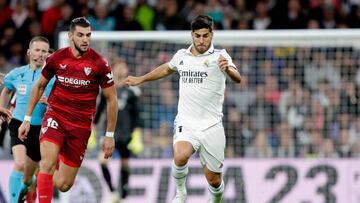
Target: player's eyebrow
(199,35)
(87,34)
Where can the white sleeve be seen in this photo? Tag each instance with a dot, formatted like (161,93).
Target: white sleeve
(174,62)
(228,57)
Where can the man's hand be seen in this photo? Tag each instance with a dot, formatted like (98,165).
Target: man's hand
(223,63)
(108,146)
(23,130)
(5,114)
(133,81)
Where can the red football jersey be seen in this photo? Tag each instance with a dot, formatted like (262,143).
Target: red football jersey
(73,97)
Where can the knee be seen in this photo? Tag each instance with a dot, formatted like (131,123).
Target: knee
(19,166)
(215,182)
(64,186)
(181,159)
(47,165)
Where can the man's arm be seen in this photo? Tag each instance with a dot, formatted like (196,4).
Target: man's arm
(111,109)
(158,73)
(36,92)
(232,72)
(5,97)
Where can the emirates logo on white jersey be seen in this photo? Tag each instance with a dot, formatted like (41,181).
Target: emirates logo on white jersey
(87,70)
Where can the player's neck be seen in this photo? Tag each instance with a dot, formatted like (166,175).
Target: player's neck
(33,66)
(77,53)
(194,51)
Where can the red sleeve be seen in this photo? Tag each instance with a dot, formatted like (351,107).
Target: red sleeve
(106,75)
(49,70)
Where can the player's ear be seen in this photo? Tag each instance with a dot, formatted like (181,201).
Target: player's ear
(70,34)
(28,52)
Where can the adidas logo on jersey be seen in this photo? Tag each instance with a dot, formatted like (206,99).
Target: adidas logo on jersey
(181,63)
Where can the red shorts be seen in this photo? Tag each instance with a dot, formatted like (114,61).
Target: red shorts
(70,138)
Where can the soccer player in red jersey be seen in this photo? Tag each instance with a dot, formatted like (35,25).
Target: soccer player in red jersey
(66,126)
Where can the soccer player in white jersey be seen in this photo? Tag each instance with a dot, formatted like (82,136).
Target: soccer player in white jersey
(198,124)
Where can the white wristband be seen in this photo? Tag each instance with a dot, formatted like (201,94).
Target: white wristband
(109,134)
(27,118)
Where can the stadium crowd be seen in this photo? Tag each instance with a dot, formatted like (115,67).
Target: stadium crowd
(293,102)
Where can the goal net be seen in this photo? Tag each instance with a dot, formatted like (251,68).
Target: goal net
(299,96)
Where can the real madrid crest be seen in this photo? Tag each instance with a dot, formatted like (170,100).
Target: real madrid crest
(206,63)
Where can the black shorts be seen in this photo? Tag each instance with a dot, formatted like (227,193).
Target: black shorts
(121,143)
(31,143)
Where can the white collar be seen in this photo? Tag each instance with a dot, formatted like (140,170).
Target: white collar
(207,52)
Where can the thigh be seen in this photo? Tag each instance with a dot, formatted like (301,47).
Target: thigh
(185,134)
(121,145)
(52,130)
(32,143)
(13,128)
(74,147)
(212,151)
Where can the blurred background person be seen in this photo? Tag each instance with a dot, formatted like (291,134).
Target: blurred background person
(128,133)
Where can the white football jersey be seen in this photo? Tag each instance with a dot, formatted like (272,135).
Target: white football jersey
(201,88)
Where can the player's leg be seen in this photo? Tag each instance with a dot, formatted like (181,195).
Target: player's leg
(16,174)
(29,170)
(31,161)
(182,152)
(71,156)
(212,155)
(185,144)
(105,170)
(124,151)
(29,177)
(64,177)
(216,185)
(49,155)
(51,142)
(19,153)
(115,197)
(124,177)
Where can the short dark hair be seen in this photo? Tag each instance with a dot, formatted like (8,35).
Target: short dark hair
(38,39)
(80,21)
(202,21)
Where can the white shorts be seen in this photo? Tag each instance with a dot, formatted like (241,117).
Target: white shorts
(209,143)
